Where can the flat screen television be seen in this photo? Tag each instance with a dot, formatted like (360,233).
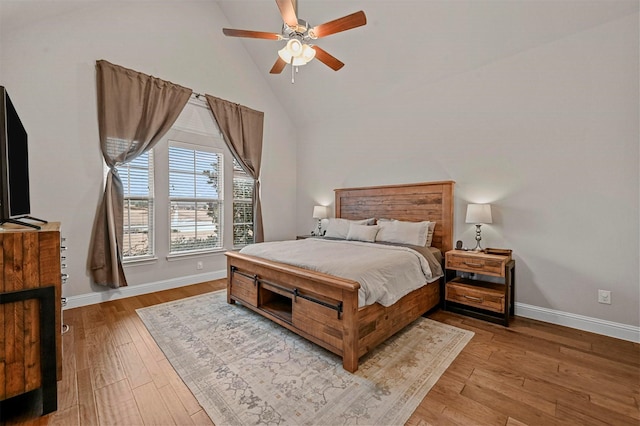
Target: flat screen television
(15,205)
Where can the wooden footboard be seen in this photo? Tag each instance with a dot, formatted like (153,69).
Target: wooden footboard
(320,307)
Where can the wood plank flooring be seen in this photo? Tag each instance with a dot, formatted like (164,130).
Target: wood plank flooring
(531,373)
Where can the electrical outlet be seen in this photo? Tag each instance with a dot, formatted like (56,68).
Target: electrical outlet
(199,265)
(604,296)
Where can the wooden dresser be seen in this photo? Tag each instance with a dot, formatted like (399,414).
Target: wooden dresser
(29,259)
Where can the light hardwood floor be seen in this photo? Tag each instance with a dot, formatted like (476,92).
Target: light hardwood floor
(530,373)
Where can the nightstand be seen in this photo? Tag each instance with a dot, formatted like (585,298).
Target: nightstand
(480,298)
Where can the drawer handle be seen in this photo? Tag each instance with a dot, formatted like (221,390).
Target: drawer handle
(475,299)
(474,265)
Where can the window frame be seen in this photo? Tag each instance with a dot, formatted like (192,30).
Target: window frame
(171,142)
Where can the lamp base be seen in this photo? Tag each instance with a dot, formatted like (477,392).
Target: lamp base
(478,247)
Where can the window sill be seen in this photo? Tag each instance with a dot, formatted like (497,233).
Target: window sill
(140,261)
(191,254)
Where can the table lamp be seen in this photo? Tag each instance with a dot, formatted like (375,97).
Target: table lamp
(320,212)
(478,214)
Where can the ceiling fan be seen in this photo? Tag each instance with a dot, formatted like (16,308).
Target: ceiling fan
(299,49)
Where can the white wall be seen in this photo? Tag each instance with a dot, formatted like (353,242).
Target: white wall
(549,136)
(48,67)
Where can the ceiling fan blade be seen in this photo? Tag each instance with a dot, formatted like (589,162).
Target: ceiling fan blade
(327,59)
(288,12)
(251,34)
(278,66)
(345,23)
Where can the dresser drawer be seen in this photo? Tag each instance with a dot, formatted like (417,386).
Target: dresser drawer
(479,294)
(481,264)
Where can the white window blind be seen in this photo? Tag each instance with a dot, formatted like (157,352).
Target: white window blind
(196,188)
(243,185)
(138,211)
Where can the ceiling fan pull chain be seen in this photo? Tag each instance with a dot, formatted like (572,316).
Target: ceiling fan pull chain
(293,72)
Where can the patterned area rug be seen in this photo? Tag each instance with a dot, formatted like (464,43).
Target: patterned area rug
(244,369)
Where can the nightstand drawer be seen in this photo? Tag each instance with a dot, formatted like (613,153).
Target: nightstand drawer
(477,263)
(481,295)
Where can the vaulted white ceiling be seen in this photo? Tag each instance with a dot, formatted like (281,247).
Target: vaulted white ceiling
(405,44)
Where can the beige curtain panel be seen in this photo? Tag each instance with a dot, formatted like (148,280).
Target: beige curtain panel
(242,129)
(134,111)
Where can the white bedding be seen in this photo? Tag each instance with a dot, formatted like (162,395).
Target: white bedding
(385,273)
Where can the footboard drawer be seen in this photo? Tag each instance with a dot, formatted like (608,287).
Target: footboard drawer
(319,321)
(243,287)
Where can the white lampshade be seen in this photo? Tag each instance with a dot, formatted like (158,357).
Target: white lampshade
(479,213)
(320,212)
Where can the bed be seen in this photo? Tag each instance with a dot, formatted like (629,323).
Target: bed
(324,308)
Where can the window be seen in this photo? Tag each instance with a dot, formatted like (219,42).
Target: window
(137,182)
(242,206)
(196,189)
(196,172)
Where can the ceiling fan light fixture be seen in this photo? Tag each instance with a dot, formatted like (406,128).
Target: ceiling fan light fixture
(296,53)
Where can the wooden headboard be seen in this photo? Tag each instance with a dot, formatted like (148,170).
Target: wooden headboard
(432,201)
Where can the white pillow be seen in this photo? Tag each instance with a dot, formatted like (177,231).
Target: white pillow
(362,232)
(397,231)
(339,228)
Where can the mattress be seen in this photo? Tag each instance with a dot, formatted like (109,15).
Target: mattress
(385,272)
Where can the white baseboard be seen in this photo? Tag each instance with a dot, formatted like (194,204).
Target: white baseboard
(136,290)
(580,322)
